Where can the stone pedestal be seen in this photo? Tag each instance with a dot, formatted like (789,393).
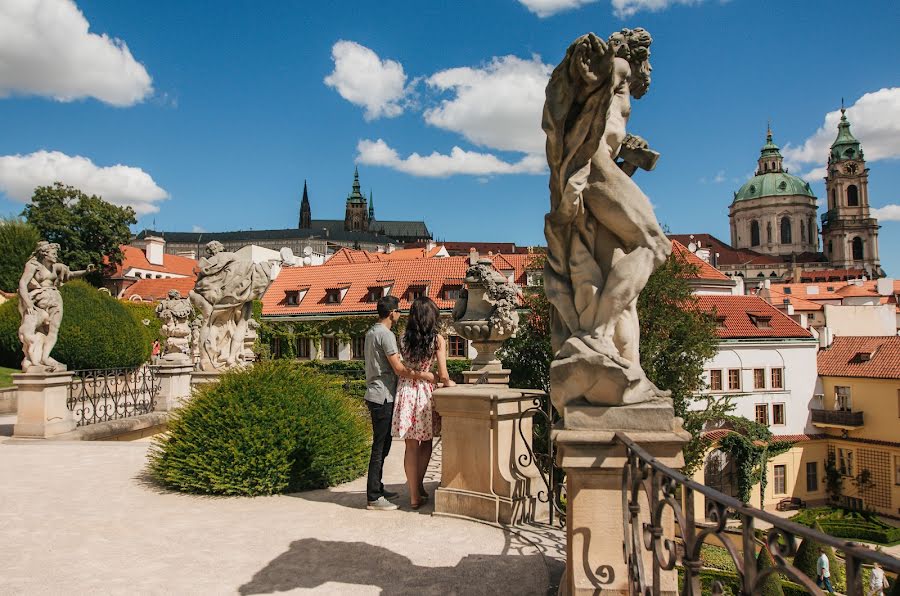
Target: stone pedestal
(202,377)
(175,385)
(593,462)
(482,471)
(42,409)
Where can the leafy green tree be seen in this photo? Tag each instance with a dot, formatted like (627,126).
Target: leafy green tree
(528,355)
(17,241)
(750,447)
(771,585)
(88,229)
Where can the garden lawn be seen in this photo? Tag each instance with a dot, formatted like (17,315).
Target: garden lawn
(6,376)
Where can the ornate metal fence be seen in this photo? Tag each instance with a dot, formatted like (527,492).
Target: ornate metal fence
(541,453)
(666,490)
(102,394)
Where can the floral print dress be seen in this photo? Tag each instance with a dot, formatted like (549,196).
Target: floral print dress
(414,413)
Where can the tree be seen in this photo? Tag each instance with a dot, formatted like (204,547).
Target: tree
(528,354)
(88,229)
(771,585)
(17,242)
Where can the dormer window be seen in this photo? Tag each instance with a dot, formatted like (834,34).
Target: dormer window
(374,294)
(292,298)
(787,290)
(861,357)
(761,321)
(415,292)
(452,292)
(721,321)
(333,296)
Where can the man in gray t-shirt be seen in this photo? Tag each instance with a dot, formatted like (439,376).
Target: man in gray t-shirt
(383,366)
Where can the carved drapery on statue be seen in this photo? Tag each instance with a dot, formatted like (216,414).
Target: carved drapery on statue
(41,306)
(602,236)
(224,293)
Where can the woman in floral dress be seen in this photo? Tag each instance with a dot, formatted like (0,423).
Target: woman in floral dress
(415,419)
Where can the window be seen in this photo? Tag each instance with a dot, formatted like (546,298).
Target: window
(292,298)
(329,348)
(802,231)
(416,292)
(761,321)
(785,230)
(786,290)
(778,414)
(333,296)
(852,196)
(762,414)
(276,348)
(898,403)
(845,461)
(897,470)
(812,476)
(456,346)
(452,292)
(759,378)
(833,198)
(769,232)
(302,348)
(358,347)
(780,480)
(715,380)
(754,233)
(734,379)
(842,398)
(857,249)
(777,378)
(374,294)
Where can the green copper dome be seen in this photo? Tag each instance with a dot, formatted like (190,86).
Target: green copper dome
(773,184)
(771,180)
(845,146)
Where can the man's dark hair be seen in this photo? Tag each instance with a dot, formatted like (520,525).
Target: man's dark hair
(386,304)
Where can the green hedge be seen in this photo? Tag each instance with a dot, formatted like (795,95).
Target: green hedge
(269,429)
(855,525)
(97,331)
(144,314)
(731,583)
(357,368)
(716,557)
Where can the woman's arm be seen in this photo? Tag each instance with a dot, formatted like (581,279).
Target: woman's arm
(443,375)
(401,370)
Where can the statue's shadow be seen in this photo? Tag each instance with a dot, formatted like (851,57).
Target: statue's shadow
(310,563)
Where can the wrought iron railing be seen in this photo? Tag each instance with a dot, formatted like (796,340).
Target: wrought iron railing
(103,394)
(839,417)
(670,493)
(540,452)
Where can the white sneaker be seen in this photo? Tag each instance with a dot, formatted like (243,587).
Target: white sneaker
(381,504)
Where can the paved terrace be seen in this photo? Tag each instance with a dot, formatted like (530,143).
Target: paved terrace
(78,518)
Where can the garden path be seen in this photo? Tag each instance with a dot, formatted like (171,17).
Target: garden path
(77,517)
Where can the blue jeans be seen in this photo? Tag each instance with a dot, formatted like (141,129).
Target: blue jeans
(826,583)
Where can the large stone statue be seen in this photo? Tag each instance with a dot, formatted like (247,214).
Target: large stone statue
(176,313)
(41,306)
(602,236)
(224,293)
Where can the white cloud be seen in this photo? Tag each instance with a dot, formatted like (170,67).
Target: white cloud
(627,8)
(815,174)
(364,79)
(197,229)
(874,120)
(46,49)
(546,8)
(887,213)
(438,165)
(118,184)
(497,106)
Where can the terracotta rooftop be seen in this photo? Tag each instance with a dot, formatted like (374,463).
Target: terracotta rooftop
(799,304)
(705,271)
(868,357)
(346,256)
(728,255)
(824,275)
(150,290)
(134,257)
(749,317)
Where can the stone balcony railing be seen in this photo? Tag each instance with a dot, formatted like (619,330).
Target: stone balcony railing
(841,418)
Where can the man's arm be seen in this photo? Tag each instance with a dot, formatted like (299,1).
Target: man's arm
(401,370)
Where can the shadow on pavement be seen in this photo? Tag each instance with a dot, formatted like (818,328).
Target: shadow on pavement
(356,499)
(310,563)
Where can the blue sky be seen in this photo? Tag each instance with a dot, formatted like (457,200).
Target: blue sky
(212,118)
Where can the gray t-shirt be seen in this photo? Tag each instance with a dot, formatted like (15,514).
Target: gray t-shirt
(381,382)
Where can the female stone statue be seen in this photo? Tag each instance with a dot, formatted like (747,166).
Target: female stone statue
(602,236)
(41,306)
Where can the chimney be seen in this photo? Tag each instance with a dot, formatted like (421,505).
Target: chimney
(473,256)
(154,248)
(885,286)
(430,245)
(390,248)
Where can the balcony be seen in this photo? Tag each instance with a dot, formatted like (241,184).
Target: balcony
(837,418)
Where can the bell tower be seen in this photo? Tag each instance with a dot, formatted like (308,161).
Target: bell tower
(849,232)
(356,217)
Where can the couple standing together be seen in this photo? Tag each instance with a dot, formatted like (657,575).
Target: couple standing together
(398,394)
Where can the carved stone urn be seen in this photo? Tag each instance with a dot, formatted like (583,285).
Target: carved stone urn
(486,315)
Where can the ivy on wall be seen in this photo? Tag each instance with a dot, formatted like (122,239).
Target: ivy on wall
(750,447)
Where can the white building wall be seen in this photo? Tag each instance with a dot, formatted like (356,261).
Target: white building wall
(797,359)
(861,321)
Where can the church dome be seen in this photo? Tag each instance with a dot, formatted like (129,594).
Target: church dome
(771,179)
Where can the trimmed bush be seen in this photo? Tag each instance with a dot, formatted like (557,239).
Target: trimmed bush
(274,428)
(771,585)
(716,557)
(97,331)
(855,525)
(732,584)
(808,555)
(141,312)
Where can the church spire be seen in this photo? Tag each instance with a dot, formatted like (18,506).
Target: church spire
(845,146)
(305,211)
(769,156)
(371,207)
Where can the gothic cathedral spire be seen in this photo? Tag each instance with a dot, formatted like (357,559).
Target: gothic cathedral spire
(305,211)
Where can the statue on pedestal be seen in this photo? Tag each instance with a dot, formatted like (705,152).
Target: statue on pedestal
(224,293)
(175,313)
(41,306)
(602,235)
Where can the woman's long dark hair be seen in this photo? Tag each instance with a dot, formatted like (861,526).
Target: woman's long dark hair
(420,338)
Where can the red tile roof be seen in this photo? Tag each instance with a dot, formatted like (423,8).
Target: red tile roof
(705,271)
(737,324)
(483,248)
(799,304)
(824,275)
(868,357)
(727,254)
(347,256)
(150,290)
(720,433)
(134,257)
